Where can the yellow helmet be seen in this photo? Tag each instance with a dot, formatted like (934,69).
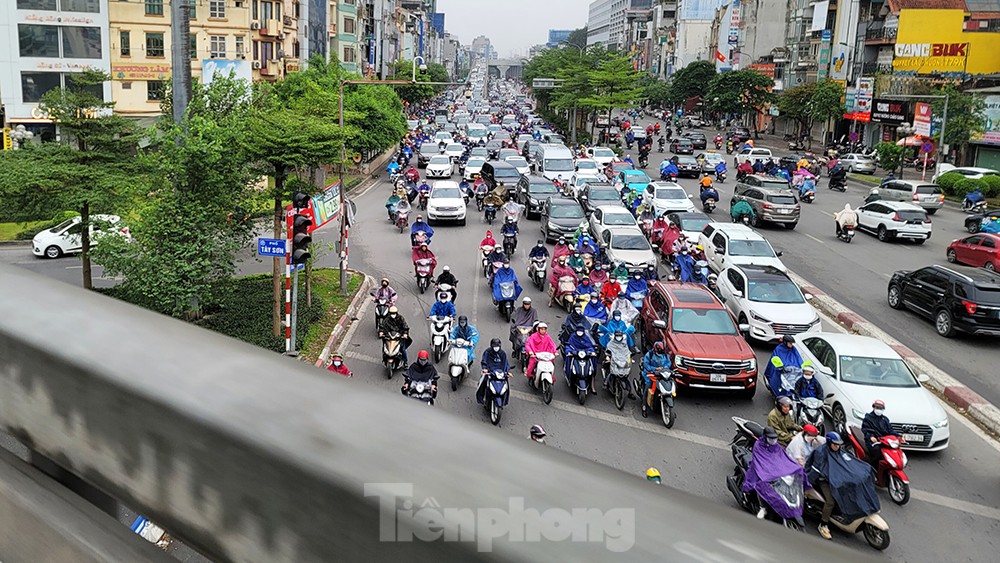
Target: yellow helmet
(653,474)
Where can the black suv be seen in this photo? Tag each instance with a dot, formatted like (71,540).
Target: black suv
(596,194)
(532,191)
(698,140)
(966,301)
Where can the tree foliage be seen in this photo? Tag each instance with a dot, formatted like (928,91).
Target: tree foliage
(739,91)
(691,81)
(578,38)
(417,93)
(811,103)
(615,83)
(965,115)
(889,155)
(655,91)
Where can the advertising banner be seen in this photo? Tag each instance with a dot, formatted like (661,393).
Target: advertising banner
(820,10)
(893,112)
(935,42)
(326,206)
(866,89)
(991,122)
(703,10)
(734,22)
(128,72)
(240,69)
(824,55)
(922,119)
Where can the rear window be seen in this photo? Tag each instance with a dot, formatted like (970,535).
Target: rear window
(988,295)
(912,215)
(781,199)
(928,189)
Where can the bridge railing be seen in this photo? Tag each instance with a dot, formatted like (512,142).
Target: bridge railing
(250,456)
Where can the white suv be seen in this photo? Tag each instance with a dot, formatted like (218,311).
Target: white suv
(751,154)
(895,219)
(767,300)
(728,244)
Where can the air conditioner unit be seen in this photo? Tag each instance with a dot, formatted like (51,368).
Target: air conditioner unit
(254,25)
(281,53)
(256,65)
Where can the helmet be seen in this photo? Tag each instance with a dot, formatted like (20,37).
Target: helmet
(526,300)
(509,219)
(783,400)
(834,438)
(810,430)
(495,342)
(385,280)
(540,243)
(878,404)
(653,474)
(463,319)
(770,433)
(543,325)
(489,233)
(659,347)
(537,431)
(788,338)
(423,355)
(713,277)
(393,309)
(808,369)
(447,268)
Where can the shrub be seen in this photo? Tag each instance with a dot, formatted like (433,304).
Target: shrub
(889,155)
(948,180)
(992,188)
(968,185)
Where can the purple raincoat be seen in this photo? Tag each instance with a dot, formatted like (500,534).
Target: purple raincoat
(769,464)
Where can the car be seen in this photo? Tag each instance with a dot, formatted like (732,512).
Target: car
(454,150)
(412,124)
(619,167)
(858,370)
(494,128)
(480,152)
(588,167)
(666,197)
(553,138)
(967,301)
(726,244)
(698,140)
(967,171)
(767,300)
(532,191)
(439,166)
(635,180)
(709,160)
(473,167)
(771,199)
(504,154)
(687,166)
(682,146)
(609,216)
(496,172)
(493,148)
(522,139)
(602,155)
(446,202)
(706,347)
(597,194)
(894,220)
(742,134)
(629,246)
(750,154)
(690,223)
(519,163)
(426,151)
(442,136)
(926,195)
(560,217)
(65,237)
(578,182)
(860,163)
(981,250)
(975,221)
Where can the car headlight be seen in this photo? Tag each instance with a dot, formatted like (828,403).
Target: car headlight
(757,317)
(753,364)
(941,424)
(858,414)
(553,226)
(679,361)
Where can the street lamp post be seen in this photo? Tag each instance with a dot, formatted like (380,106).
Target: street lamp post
(20,134)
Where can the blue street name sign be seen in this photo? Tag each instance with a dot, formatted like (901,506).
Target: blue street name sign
(271,247)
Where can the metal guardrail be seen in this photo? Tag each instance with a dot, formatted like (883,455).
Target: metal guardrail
(250,456)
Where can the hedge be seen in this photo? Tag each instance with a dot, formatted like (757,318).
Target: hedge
(992,188)
(948,181)
(969,185)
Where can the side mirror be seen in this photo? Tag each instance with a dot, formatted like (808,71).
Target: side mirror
(745,328)
(738,293)
(690,196)
(779,253)
(808,296)
(923,378)
(660,325)
(828,396)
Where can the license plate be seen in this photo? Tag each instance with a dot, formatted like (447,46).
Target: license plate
(784,211)
(913,438)
(717,378)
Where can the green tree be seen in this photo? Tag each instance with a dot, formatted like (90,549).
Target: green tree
(578,38)
(794,104)
(812,102)
(739,91)
(654,90)
(965,116)
(89,173)
(416,93)
(615,83)
(890,155)
(691,81)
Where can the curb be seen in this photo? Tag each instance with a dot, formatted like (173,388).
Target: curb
(15,243)
(967,401)
(353,311)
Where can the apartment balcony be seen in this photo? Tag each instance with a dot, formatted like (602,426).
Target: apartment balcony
(290,22)
(873,67)
(270,68)
(270,28)
(881,36)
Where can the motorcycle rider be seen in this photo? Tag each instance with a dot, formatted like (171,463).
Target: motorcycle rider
(395,322)
(524,317)
(393,202)
(337,366)
(579,340)
(744,169)
(538,341)
(768,460)
(464,331)
(637,285)
(974,197)
(512,210)
(559,269)
(385,291)
(656,360)
(610,290)
(720,169)
(804,443)
(539,250)
(422,253)
(875,426)
(575,321)
(808,385)
(596,311)
(617,346)
(784,355)
(561,249)
(841,479)
(873,195)
(448,278)
(421,371)
(442,307)
(781,420)
(713,285)
(412,174)
(613,325)
(576,262)
(685,263)
(488,240)
(509,228)
(493,200)
(741,209)
(494,359)
(419,226)
(668,169)
(623,305)
(846,217)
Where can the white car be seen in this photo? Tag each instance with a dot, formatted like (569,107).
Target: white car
(726,244)
(889,220)
(442,136)
(859,163)
(709,160)
(446,202)
(519,163)
(609,216)
(751,154)
(588,168)
(64,238)
(629,246)
(439,166)
(858,370)
(667,196)
(602,155)
(764,298)
(454,150)
(473,167)
(967,171)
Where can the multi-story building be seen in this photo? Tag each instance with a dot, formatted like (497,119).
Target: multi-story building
(607,21)
(481,48)
(48,41)
(693,40)
(664,24)
(557,36)
(346,28)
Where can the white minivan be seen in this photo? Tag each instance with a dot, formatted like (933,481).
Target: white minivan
(64,238)
(552,160)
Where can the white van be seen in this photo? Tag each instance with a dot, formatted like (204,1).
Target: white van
(552,160)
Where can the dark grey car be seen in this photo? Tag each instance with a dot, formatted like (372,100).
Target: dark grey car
(771,198)
(560,217)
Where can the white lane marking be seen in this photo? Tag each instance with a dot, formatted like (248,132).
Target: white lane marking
(955,504)
(814,238)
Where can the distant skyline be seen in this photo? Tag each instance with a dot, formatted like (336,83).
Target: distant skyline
(513,26)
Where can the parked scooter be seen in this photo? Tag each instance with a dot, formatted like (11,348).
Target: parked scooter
(580,377)
(545,369)
(440,329)
(890,472)
(846,234)
(537,270)
(497,395)
(392,353)
(458,362)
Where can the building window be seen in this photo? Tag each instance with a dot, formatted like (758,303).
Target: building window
(36,5)
(154,44)
(254,11)
(349,55)
(126,85)
(81,42)
(349,25)
(38,40)
(256,50)
(194,46)
(217,46)
(217,8)
(192,6)
(125,39)
(241,49)
(155,90)
(266,51)
(35,84)
(91,6)
(154,7)
(295,50)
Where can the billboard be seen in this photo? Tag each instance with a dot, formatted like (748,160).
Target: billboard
(991,122)
(893,112)
(922,119)
(557,36)
(934,42)
(820,10)
(703,10)
(210,68)
(437,23)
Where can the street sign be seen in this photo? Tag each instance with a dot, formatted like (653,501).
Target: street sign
(298,267)
(927,147)
(546,83)
(854,136)
(271,247)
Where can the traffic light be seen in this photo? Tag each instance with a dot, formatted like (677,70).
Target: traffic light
(301,224)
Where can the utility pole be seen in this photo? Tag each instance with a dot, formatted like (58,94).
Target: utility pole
(180,57)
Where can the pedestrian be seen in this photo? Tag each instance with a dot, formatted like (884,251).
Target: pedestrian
(337,366)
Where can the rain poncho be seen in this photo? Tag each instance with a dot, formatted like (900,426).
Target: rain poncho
(635,286)
(668,168)
(559,271)
(627,309)
(418,227)
(767,464)
(467,332)
(850,480)
(576,343)
(598,277)
(520,317)
(560,250)
(503,276)
(584,288)
(781,357)
(536,343)
(445,309)
(424,254)
(573,322)
(618,351)
(595,311)
(610,290)
(670,236)
(741,208)
(586,245)
(686,264)
(608,329)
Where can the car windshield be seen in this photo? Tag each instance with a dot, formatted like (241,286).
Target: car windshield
(586,165)
(714,158)
(62,225)
(475,163)
(566,212)
(670,193)
(428,148)
(440,160)
(446,192)
(503,172)
(928,189)
(558,164)
(544,188)
(694,224)
(877,372)
(517,161)
(782,199)
(604,195)
(774,291)
(684,142)
(619,219)
(688,160)
(629,242)
(773,183)
(702,321)
(455,147)
(604,152)
(753,248)
(637,178)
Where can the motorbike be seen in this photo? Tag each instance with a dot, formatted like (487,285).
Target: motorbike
(458,362)
(545,369)
(422,391)
(402,220)
(636,297)
(709,205)
(969,207)
(809,410)
(788,375)
(809,196)
(506,304)
(668,177)
(580,376)
(889,474)
(509,244)
(440,329)
(664,392)
(447,291)
(381,312)
(490,214)
(661,144)
(730,147)
(424,196)
(486,250)
(846,234)
(839,182)
(643,161)
(745,219)
(873,526)
(392,353)
(789,488)
(720,177)
(565,290)
(497,395)
(718,145)
(480,198)
(537,271)
(701,271)
(423,274)
(618,369)
(519,354)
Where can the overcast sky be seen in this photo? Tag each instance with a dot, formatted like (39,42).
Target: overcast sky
(513,26)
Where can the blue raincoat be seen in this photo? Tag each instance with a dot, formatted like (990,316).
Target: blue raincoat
(419,226)
(851,480)
(595,311)
(468,332)
(505,275)
(608,329)
(586,245)
(782,356)
(636,286)
(668,169)
(686,263)
(575,344)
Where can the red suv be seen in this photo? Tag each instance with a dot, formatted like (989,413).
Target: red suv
(704,342)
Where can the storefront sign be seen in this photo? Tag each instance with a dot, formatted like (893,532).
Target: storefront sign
(866,89)
(889,111)
(935,42)
(767,69)
(824,55)
(859,116)
(922,119)
(991,122)
(140,71)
